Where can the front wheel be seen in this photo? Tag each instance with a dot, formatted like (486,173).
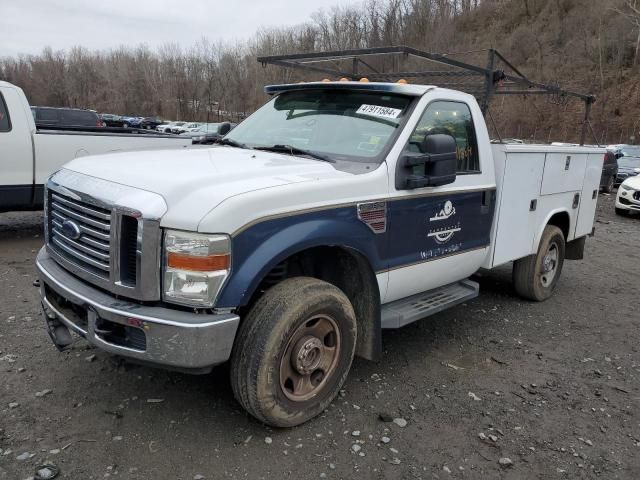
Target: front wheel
(293,351)
(536,276)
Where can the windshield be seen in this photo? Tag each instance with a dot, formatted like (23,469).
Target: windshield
(343,125)
(630,162)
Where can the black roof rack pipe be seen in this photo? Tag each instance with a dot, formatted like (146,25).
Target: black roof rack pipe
(496,82)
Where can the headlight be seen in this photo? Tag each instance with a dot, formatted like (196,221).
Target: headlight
(195,267)
(626,187)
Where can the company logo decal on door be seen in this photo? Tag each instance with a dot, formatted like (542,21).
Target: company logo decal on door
(443,233)
(447,211)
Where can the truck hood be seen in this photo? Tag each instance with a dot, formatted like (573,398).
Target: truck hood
(193,182)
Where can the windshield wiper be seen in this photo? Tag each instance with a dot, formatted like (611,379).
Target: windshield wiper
(231,143)
(295,151)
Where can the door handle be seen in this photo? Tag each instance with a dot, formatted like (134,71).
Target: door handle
(487,200)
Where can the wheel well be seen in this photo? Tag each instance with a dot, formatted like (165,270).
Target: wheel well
(348,270)
(562,221)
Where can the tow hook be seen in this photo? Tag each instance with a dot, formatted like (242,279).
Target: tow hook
(58,332)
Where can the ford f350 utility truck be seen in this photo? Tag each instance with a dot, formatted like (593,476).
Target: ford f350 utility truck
(28,156)
(335,211)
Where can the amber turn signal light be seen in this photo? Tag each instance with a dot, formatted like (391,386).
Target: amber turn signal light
(211,263)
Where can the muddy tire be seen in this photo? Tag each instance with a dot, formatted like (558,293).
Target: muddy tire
(535,276)
(608,188)
(293,351)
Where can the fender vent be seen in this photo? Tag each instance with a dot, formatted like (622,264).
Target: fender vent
(374,214)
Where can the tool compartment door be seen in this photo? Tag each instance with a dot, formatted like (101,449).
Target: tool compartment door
(563,172)
(517,221)
(589,195)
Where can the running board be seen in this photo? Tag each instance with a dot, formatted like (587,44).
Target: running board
(407,310)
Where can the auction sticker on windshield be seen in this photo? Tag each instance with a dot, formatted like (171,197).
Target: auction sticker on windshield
(378,111)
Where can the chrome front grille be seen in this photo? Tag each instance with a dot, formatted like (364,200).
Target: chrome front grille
(81,233)
(106,233)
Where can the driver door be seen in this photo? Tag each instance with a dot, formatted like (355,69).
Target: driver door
(440,235)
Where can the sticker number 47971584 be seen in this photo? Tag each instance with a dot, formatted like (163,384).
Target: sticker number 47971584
(378,111)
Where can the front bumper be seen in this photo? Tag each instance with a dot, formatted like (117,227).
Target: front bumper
(626,200)
(148,334)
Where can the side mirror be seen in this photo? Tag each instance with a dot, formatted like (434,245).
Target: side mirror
(436,166)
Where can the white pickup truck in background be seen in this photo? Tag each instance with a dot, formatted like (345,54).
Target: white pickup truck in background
(336,210)
(28,156)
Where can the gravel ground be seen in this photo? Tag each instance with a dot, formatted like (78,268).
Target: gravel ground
(551,386)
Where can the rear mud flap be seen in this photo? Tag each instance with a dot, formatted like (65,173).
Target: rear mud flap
(575,249)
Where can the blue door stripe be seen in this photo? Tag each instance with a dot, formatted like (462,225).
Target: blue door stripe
(411,237)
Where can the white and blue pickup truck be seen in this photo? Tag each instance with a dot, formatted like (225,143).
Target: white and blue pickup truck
(335,211)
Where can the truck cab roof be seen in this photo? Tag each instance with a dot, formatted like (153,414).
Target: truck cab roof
(401,88)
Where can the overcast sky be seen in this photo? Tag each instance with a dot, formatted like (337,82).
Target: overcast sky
(27,26)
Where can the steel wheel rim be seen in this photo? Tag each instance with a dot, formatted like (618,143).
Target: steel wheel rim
(549,265)
(310,358)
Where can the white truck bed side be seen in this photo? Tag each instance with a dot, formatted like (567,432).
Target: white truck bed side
(54,149)
(28,156)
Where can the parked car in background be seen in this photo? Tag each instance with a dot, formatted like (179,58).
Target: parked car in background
(131,122)
(203,128)
(628,161)
(150,123)
(185,127)
(628,198)
(169,128)
(65,117)
(210,133)
(609,172)
(165,127)
(111,120)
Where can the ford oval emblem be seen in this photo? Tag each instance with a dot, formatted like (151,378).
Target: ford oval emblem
(71,230)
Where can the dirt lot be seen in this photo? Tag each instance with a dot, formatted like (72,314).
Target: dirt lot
(551,386)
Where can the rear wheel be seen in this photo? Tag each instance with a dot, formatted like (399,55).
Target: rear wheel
(293,351)
(608,188)
(536,276)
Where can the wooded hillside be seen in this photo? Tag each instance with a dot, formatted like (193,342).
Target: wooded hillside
(591,46)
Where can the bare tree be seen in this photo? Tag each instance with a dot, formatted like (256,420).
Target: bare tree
(577,43)
(631,11)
